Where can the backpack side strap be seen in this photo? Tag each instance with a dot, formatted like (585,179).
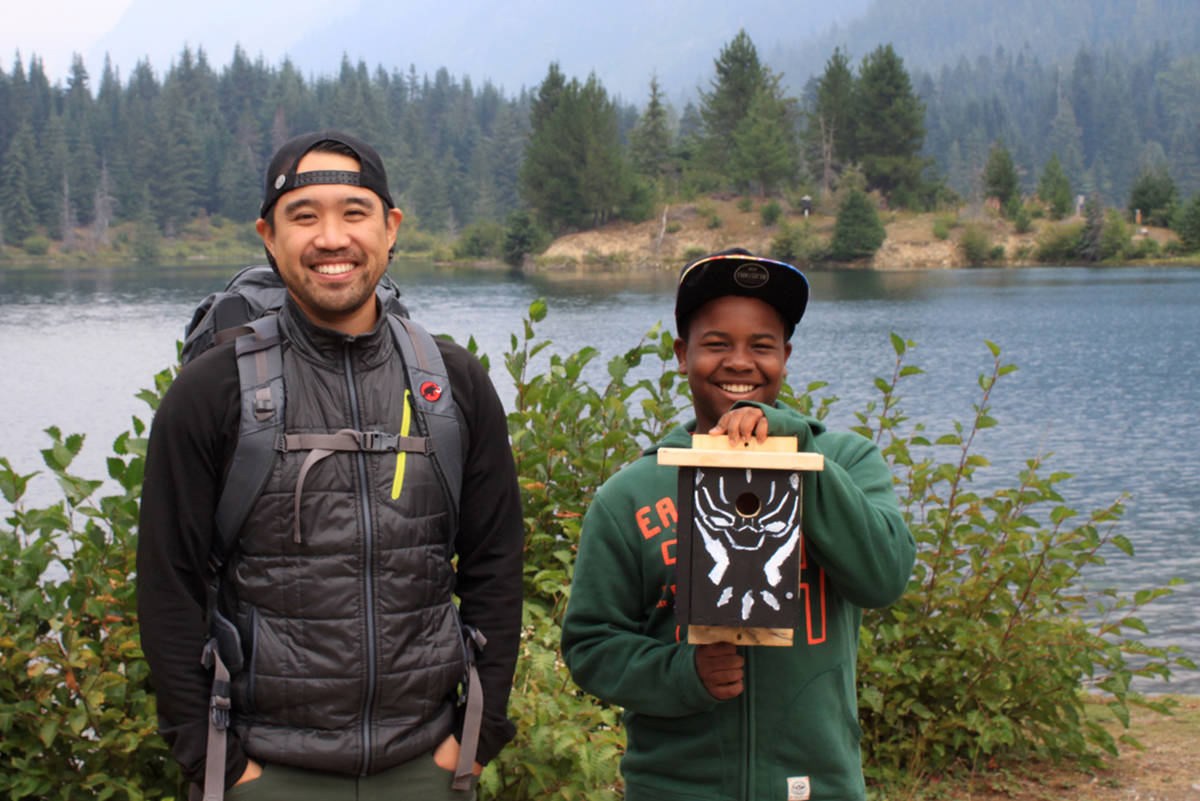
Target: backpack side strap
(260,374)
(433,402)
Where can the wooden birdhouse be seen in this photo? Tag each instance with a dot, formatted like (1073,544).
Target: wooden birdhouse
(739,538)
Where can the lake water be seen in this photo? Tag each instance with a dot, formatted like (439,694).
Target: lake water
(1109,380)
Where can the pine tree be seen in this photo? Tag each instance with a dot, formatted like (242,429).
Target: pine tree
(764,149)
(889,126)
(575,174)
(834,113)
(999,175)
(1154,194)
(16,209)
(650,143)
(857,232)
(739,77)
(1054,189)
(1187,224)
(1091,244)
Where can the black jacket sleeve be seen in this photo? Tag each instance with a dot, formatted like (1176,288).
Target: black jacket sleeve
(490,542)
(193,431)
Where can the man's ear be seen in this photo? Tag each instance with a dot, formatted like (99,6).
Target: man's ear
(394,216)
(268,235)
(681,355)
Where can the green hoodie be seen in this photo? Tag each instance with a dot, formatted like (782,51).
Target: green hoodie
(793,733)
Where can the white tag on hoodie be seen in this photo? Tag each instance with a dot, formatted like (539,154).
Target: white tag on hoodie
(798,788)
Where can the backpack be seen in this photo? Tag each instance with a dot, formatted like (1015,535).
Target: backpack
(246,311)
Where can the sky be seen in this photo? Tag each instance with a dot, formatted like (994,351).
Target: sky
(54,29)
(624,41)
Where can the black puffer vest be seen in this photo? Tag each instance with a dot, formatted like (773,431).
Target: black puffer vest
(352,641)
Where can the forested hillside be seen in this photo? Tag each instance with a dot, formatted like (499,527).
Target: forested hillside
(1107,116)
(80,154)
(930,34)
(197,140)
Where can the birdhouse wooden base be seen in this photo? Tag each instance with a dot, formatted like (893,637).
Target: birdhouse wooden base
(739,538)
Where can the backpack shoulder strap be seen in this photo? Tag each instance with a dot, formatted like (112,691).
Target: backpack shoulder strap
(433,402)
(260,375)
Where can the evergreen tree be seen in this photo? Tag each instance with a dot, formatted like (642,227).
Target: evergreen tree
(575,173)
(764,150)
(889,126)
(1054,189)
(999,175)
(1091,244)
(1066,140)
(650,143)
(16,210)
(83,162)
(739,77)
(834,112)
(1153,194)
(857,232)
(1187,224)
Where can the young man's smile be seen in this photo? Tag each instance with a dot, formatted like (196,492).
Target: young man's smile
(735,350)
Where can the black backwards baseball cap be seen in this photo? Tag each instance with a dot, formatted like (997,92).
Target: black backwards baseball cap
(282,176)
(737,271)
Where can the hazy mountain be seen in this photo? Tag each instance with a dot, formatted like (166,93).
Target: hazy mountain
(510,44)
(929,34)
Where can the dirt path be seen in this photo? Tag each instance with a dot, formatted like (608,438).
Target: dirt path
(1168,769)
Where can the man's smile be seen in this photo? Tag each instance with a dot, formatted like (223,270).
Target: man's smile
(334,268)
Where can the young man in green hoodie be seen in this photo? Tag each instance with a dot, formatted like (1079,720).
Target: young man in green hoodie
(717,721)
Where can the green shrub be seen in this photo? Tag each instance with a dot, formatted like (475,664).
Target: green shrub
(1022,220)
(1186,223)
(1060,244)
(77,717)
(714,221)
(522,236)
(147,242)
(857,232)
(941,227)
(1114,236)
(975,245)
(411,239)
(997,575)
(745,203)
(1145,248)
(996,253)
(482,239)
(794,243)
(770,213)
(693,253)
(989,655)
(36,245)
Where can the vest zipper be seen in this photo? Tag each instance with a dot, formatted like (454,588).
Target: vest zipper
(368,567)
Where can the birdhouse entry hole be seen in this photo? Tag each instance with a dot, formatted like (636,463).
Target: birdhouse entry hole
(748,504)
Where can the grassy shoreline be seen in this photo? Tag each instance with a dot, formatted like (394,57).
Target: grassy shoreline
(946,239)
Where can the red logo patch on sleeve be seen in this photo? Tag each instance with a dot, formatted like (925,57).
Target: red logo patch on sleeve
(430,391)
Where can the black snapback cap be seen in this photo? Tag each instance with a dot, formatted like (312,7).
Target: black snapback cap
(282,176)
(737,271)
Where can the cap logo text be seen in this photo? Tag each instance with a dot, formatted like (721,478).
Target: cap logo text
(751,276)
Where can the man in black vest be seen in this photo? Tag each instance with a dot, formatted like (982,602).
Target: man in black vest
(349,649)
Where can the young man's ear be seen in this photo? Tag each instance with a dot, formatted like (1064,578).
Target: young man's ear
(681,355)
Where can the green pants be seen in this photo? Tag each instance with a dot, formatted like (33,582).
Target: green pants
(418,779)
